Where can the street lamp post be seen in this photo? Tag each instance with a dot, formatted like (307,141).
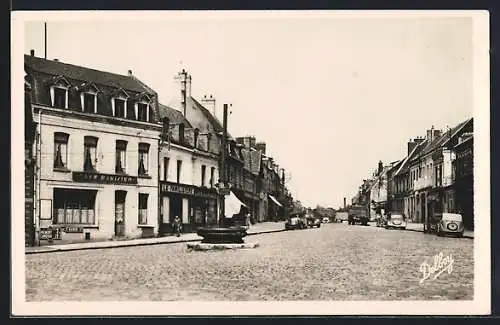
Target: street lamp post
(222,168)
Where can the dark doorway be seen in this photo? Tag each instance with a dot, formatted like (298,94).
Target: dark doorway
(175,207)
(120,213)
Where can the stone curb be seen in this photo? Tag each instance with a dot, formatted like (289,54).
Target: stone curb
(53,249)
(421,231)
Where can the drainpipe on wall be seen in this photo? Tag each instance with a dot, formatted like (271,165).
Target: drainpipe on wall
(38,176)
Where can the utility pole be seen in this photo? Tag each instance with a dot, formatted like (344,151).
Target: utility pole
(45,39)
(222,168)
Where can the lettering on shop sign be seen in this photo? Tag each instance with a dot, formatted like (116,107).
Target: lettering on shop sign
(441,264)
(103,178)
(45,234)
(205,194)
(177,188)
(73,229)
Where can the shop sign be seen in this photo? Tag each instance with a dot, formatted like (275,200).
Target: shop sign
(45,234)
(205,193)
(103,178)
(75,230)
(176,188)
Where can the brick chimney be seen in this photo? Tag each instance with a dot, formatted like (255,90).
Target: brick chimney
(209,103)
(411,146)
(183,80)
(32,52)
(380,167)
(261,146)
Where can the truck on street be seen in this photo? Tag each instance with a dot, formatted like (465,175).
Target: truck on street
(358,214)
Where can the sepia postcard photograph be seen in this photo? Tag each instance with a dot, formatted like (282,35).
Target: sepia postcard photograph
(250,163)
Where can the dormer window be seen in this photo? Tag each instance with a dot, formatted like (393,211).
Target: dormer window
(59,92)
(119,103)
(88,97)
(119,107)
(143,112)
(60,97)
(196,134)
(89,102)
(209,139)
(181,133)
(142,107)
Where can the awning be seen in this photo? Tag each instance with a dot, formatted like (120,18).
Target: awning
(275,201)
(232,205)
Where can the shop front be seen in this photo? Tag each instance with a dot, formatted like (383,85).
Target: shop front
(204,207)
(275,209)
(96,207)
(175,200)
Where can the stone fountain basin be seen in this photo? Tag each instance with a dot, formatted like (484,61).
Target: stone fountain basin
(229,235)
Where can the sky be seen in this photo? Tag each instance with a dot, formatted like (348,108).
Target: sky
(331,97)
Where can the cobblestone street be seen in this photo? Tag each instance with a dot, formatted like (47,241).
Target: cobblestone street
(334,262)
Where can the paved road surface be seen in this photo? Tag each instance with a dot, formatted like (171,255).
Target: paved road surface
(334,262)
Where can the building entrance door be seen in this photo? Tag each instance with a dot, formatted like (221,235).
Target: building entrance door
(120,213)
(175,208)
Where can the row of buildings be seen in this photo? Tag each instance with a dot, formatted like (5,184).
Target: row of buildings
(104,158)
(435,176)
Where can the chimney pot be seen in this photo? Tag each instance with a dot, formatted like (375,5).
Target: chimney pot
(130,72)
(32,52)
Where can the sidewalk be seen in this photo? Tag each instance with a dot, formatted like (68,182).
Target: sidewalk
(420,228)
(259,228)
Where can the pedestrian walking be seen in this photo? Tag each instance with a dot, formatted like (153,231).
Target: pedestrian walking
(177,226)
(247,221)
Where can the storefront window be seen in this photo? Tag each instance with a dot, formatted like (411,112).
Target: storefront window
(74,206)
(143,209)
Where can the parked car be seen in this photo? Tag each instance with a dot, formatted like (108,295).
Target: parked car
(395,221)
(293,223)
(447,224)
(326,220)
(313,222)
(303,222)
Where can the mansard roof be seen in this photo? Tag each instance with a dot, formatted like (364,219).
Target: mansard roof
(77,73)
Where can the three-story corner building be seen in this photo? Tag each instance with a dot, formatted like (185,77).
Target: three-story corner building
(98,136)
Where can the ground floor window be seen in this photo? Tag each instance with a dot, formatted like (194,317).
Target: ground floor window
(143,208)
(74,206)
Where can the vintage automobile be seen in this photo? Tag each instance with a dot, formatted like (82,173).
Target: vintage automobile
(295,222)
(326,220)
(447,224)
(313,222)
(395,220)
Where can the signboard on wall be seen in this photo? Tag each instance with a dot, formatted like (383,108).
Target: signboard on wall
(167,187)
(90,177)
